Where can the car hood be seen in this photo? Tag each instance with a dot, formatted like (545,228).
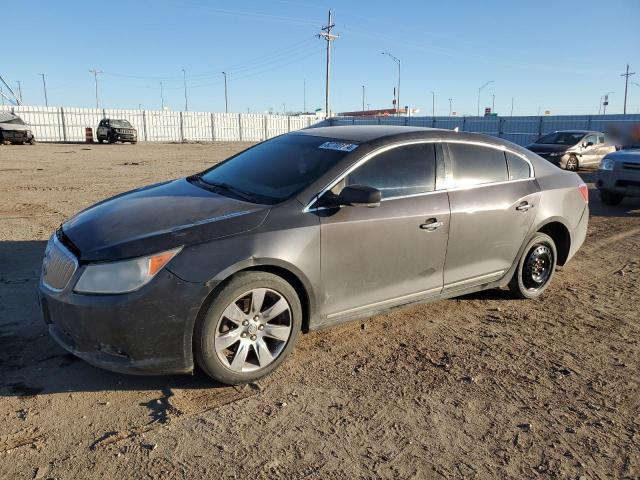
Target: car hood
(626,156)
(14,126)
(157,218)
(548,148)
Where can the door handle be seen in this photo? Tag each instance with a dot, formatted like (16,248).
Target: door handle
(524,206)
(431,224)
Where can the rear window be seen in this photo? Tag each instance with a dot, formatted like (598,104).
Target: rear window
(278,169)
(518,167)
(475,165)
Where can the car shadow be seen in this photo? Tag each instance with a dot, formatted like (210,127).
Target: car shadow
(31,362)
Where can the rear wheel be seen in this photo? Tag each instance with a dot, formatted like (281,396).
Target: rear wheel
(249,329)
(572,163)
(611,198)
(535,268)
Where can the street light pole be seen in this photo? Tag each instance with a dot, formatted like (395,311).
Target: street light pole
(44,86)
(493,103)
(433,103)
(450,100)
(95,77)
(184,81)
(397,60)
(363,98)
(606,101)
(161,97)
(226,101)
(480,91)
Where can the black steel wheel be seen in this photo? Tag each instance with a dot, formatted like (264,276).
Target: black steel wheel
(535,268)
(611,198)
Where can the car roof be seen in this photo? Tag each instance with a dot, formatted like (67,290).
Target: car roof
(578,131)
(365,133)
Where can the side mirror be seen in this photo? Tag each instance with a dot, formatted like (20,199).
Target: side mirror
(587,144)
(356,196)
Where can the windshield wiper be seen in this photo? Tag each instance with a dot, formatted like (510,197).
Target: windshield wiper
(230,188)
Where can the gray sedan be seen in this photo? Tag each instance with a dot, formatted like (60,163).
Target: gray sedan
(225,268)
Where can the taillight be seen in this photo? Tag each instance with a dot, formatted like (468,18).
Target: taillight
(584,191)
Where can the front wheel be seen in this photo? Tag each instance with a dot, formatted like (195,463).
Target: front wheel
(249,329)
(572,164)
(611,198)
(535,268)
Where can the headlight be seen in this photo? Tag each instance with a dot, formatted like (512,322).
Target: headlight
(556,154)
(123,276)
(607,164)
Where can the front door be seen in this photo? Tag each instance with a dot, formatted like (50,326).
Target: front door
(392,254)
(589,151)
(493,203)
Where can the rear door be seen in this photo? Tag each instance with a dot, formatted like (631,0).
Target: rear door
(493,200)
(377,257)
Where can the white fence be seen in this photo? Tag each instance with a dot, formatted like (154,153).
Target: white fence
(67,124)
(520,130)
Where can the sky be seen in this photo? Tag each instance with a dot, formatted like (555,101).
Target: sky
(560,56)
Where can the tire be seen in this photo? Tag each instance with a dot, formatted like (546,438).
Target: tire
(100,140)
(32,141)
(233,350)
(539,256)
(572,164)
(611,198)
(111,139)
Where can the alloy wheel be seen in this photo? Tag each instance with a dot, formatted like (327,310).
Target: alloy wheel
(572,164)
(253,330)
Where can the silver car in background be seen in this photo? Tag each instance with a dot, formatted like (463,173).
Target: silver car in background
(225,268)
(573,149)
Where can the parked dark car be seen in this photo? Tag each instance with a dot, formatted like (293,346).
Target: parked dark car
(112,131)
(224,268)
(619,176)
(14,130)
(572,149)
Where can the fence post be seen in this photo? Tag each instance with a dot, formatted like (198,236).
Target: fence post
(181,128)
(500,127)
(64,125)
(240,126)
(144,124)
(288,123)
(213,128)
(540,126)
(589,122)
(266,127)
(464,124)
(433,121)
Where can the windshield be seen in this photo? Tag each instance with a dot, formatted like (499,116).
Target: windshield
(121,124)
(277,169)
(14,121)
(561,138)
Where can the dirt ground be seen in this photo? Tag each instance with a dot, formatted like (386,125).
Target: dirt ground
(483,386)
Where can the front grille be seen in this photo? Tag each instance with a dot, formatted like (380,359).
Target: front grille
(58,266)
(631,166)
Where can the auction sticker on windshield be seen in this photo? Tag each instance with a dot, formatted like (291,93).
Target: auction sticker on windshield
(343,147)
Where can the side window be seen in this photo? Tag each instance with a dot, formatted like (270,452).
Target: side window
(600,138)
(518,167)
(475,165)
(400,171)
(590,138)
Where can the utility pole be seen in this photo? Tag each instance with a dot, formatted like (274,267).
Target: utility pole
(493,103)
(44,86)
(95,77)
(512,106)
(226,102)
(363,98)
(304,96)
(397,60)
(184,81)
(626,84)
(284,108)
(450,100)
(161,97)
(433,103)
(480,91)
(329,37)
(20,91)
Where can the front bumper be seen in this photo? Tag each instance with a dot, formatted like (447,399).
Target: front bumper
(16,135)
(148,331)
(625,181)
